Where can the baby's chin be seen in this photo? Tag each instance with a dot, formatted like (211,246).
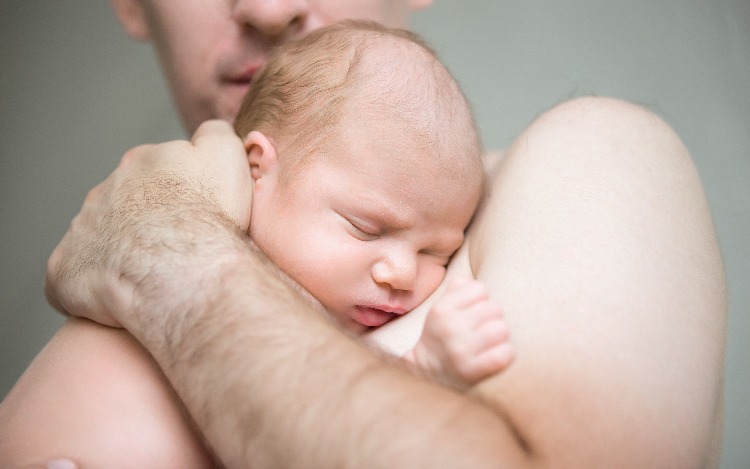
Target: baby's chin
(346,322)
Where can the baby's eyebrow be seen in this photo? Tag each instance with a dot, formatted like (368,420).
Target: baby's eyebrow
(385,216)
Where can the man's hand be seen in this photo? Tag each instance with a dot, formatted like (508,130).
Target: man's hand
(465,338)
(166,208)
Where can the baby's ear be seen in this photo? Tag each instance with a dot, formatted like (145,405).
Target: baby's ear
(261,154)
(132,16)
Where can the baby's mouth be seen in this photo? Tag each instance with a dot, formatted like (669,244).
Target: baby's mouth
(376,315)
(372,317)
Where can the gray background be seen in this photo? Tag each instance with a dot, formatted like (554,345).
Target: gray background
(75,93)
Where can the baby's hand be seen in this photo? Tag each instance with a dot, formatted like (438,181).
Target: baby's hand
(465,338)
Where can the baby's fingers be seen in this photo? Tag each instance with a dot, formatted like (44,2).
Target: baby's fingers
(462,293)
(479,313)
(490,334)
(493,361)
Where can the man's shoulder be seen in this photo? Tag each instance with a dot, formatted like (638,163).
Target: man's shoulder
(89,383)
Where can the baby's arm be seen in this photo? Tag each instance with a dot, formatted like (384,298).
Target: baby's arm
(465,338)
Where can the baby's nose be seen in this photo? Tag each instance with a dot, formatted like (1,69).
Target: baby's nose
(398,271)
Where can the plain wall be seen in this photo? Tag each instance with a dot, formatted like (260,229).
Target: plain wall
(75,93)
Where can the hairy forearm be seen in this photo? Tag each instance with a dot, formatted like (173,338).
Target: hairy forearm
(273,384)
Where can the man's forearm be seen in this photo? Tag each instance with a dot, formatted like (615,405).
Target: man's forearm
(272,384)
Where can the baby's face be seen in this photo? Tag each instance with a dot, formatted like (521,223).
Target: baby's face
(367,232)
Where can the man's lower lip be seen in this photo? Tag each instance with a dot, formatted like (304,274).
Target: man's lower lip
(372,317)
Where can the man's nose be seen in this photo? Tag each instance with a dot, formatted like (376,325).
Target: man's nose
(397,270)
(272,18)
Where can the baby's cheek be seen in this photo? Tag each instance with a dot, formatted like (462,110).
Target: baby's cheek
(432,277)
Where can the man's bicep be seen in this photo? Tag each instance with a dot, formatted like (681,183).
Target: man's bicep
(597,242)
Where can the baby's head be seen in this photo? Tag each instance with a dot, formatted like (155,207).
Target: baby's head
(367,168)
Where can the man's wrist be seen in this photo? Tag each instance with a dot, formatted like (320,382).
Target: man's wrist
(180,246)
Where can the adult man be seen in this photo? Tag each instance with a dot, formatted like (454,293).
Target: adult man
(580,243)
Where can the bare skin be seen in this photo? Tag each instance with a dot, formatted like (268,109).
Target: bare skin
(597,241)
(80,398)
(632,281)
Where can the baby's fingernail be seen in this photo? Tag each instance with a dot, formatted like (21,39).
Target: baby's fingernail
(61,464)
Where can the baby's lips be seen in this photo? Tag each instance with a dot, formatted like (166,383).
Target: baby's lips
(372,317)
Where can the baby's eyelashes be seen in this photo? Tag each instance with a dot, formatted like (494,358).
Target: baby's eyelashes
(362,231)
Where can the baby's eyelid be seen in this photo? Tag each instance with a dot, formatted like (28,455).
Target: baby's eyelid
(360,229)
